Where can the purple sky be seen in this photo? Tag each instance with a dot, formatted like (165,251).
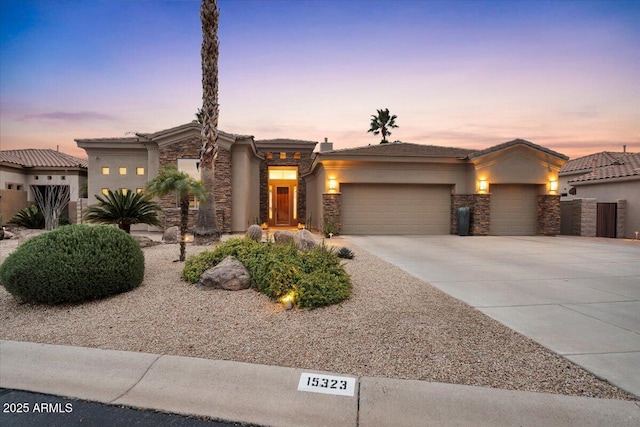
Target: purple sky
(562,74)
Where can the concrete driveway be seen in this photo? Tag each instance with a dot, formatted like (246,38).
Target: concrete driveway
(579,297)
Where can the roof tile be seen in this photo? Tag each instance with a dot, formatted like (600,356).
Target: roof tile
(33,157)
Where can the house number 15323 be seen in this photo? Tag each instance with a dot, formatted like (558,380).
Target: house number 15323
(327,384)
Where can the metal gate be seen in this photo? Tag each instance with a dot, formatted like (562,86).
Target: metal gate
(606,219)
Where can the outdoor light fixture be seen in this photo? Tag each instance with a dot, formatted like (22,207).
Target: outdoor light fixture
(332,184)
(287,300)
(553,185)
(483,186)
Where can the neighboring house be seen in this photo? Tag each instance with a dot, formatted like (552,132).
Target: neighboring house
(22,169)
(396,188)
(601,195)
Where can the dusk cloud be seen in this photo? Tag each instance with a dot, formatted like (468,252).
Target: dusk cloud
(69,116)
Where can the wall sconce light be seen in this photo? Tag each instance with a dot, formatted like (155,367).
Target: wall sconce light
(483,186)
(332,184)
(553,185)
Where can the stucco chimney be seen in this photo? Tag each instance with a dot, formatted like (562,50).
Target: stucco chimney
(326,145)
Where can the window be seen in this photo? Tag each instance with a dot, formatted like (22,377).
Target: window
(63,178)
(269,156)
(49,177)
(279,174)
(296,156)
(105,191)
(9,186)
(124,190)
(191,167)
(283,155)
(122,170)
(139,190)
(139,171)
(19,187)
(105,170)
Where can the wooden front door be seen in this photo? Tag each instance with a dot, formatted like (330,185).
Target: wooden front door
(283,205)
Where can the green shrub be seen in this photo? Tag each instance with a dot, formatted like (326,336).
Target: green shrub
(29,217)
(315,278)
(198,264)
(73,263)
(345,253)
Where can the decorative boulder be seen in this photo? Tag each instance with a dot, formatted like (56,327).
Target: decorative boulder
(171,235)
(144,241)
(284,236)
(230,274)
(305,240)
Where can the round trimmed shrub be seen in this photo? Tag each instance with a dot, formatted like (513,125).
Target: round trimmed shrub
(73,263)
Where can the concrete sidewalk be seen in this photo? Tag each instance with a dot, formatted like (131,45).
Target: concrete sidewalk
(577,296)
(270,395)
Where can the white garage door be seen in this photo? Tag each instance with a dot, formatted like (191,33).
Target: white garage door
(513,210)
(395,209)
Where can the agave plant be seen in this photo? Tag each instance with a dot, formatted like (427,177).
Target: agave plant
(123,209)
(29,217)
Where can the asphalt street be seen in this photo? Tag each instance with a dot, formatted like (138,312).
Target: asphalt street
(26,409)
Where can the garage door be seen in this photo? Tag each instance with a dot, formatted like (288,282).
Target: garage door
(395,209)
(513,210)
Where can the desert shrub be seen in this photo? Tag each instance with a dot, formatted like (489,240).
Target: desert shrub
(324,281)
(198,264)
(345,253)
(315,277)
(29,217)
(73,263)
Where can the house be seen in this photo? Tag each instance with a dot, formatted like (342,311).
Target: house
(395,188)
(23,170)
(601,195)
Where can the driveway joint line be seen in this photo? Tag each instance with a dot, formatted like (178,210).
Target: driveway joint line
(593,353)
(600,320)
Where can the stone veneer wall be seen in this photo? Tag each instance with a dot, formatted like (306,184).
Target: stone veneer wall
(190,149)
(585,217)
(331,209)
(479,209)
(223,190)
(303,164)
(548,223)
(621,218)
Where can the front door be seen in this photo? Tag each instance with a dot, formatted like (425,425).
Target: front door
(283,206)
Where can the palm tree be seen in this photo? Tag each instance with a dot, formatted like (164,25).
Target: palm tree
(171,180)
(206,230)
(381,123)
(123,208)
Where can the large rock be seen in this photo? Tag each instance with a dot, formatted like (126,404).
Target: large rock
(284,236)
(230,274)
(171,235)
(305,240)
(144,241)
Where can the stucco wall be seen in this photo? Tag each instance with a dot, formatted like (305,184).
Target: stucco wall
(518,165)
(114,159)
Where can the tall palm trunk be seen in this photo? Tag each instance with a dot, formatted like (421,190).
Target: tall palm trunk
(184,224)
(206,230)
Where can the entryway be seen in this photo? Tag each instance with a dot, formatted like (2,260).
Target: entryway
(283,196)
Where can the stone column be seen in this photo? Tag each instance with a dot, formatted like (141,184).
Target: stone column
(479,208)
(589,217)
(621,218)
(548,214)
(331,211)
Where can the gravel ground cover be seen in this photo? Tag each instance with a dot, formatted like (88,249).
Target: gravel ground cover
(394,325)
